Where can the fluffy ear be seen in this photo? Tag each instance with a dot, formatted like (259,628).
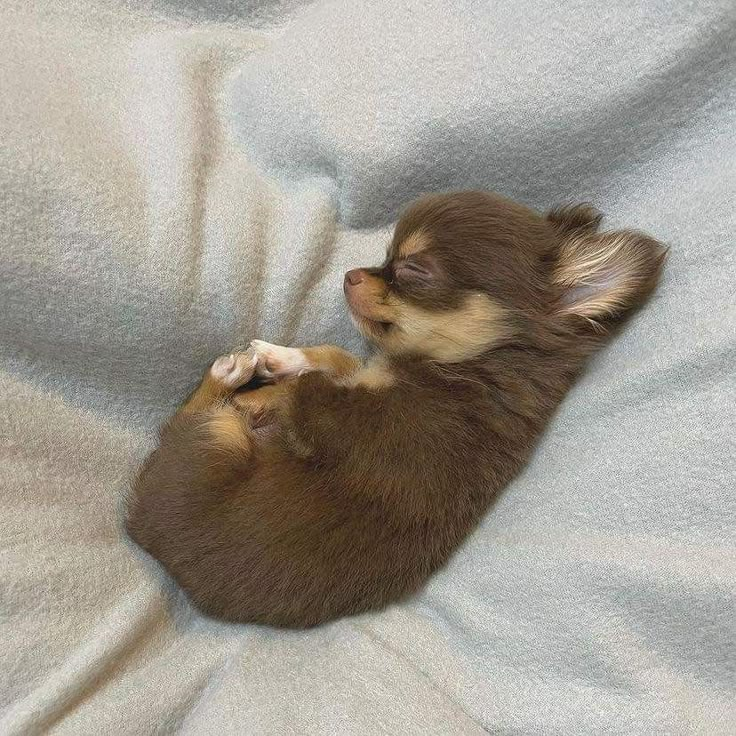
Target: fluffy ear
(601,276)
(575,218)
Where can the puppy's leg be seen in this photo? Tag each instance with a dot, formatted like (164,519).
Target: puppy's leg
(202,448)
(276,362)
(227,374)
(281,365)
(264,405)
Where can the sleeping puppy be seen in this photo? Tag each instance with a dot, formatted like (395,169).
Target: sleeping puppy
(341,487)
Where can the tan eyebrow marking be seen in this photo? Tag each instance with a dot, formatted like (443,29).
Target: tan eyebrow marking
(414,243)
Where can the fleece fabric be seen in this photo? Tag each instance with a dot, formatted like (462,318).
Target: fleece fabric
(179,177)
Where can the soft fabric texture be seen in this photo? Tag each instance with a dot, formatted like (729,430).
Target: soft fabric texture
(178,177)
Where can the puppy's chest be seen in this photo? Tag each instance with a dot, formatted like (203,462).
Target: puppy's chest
(376,376)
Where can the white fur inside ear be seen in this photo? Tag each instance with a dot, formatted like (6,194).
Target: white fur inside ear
(602,275)
(277,361)
(588,290)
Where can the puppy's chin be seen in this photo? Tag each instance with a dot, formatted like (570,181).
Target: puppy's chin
(372,329)
(371,325)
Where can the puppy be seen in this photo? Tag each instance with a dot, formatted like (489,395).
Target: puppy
(341,487)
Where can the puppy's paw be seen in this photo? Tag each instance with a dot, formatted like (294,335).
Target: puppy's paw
(236,369)
(276,361)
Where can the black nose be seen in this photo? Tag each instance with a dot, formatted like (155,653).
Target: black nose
(354,277)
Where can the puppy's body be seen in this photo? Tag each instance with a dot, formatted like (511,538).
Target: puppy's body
(341,488)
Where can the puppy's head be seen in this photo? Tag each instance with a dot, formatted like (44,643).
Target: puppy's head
(470,271)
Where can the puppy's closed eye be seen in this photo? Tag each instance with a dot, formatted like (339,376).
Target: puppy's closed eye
(412,271)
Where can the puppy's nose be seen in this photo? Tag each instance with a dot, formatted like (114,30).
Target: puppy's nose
(354,277)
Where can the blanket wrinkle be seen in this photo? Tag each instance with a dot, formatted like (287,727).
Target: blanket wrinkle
(118,637)
(375,638)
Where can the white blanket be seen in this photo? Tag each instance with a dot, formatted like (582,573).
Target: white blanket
(178,177)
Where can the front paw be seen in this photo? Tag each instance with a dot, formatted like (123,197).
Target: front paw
(234,370)
(275,362)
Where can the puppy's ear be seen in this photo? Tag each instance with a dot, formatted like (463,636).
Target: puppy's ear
(575,218)
(600,276)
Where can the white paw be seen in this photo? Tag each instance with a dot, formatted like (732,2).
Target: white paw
(236,369)
(276,361)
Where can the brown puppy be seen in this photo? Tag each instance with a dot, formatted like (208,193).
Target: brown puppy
(340,488)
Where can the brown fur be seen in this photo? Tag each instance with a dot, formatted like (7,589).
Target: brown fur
(343,489)
(332,360)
